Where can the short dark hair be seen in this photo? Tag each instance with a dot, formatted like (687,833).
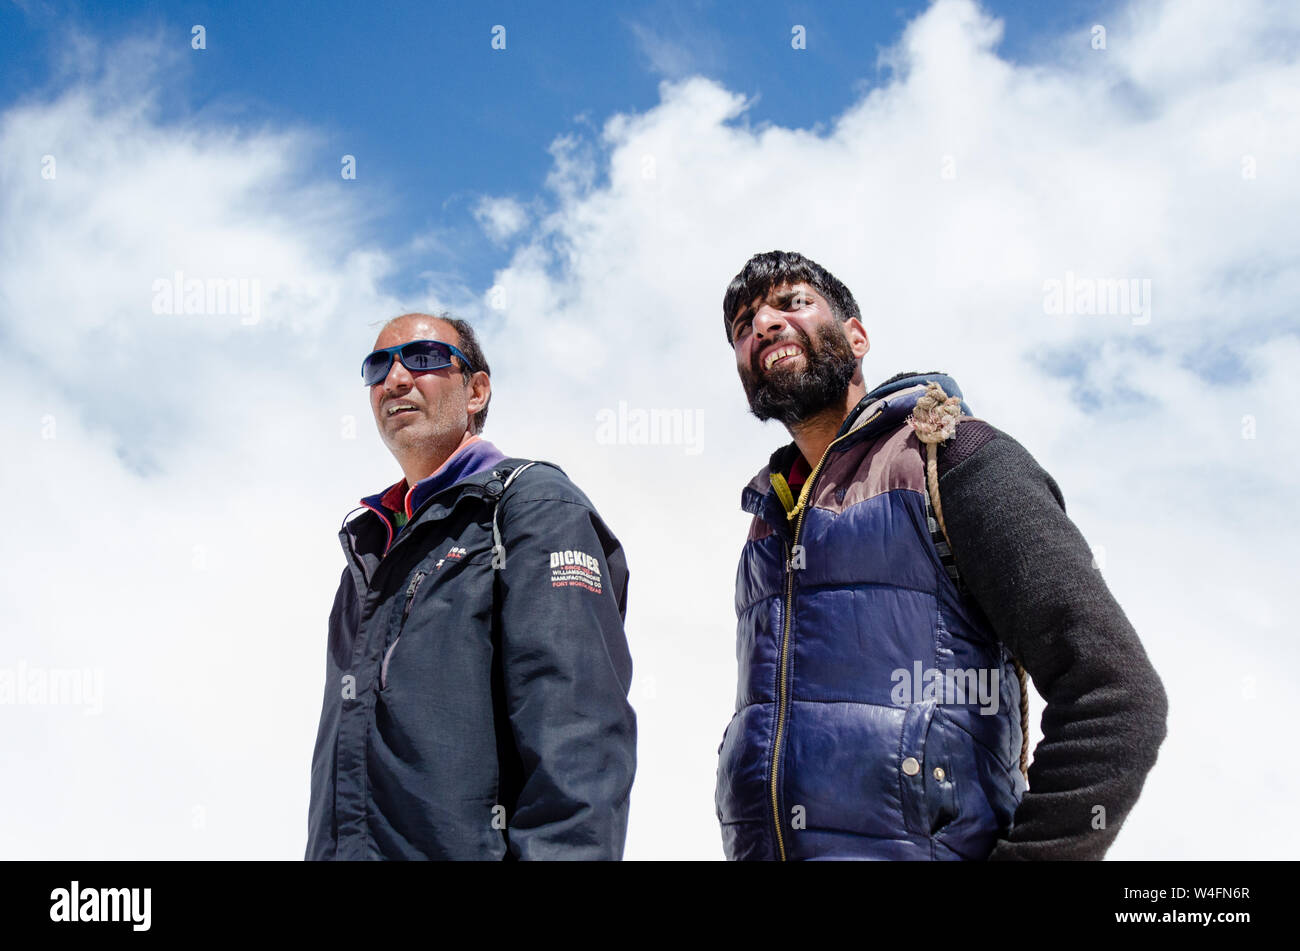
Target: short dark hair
(469,346)
(772,269)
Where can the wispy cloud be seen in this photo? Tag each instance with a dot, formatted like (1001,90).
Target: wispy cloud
(501,218)
(675,41)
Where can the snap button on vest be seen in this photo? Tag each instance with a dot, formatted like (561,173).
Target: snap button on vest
(910,766)
(938,773)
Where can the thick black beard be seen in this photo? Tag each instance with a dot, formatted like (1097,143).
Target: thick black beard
(793,397)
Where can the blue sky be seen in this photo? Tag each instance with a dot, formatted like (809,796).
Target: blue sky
(182,475)
(437,118)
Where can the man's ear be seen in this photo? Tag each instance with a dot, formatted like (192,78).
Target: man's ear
(480,391)
(857,335)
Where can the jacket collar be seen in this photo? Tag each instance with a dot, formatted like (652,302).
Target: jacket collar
(469,466)
(881,410)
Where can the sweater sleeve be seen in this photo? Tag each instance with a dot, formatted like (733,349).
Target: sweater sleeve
(1031,572)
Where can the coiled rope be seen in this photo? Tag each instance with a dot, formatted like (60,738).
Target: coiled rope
(934,420)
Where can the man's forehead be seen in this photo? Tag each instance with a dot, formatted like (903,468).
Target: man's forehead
(777,291)
(416,327)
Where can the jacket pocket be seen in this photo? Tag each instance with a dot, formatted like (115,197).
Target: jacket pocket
(940,774)
(717,806)
(915,772)
(411,589)
(727,730)
(741,793)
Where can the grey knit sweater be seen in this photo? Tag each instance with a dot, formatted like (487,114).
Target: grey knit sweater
(1030,570)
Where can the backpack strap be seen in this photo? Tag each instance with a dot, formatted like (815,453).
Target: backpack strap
(934,420)
(498,548)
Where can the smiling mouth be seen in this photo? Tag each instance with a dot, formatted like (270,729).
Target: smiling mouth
(779,355)
(397,409)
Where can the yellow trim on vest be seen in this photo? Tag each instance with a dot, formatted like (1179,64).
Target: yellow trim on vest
(793,513)
(782,491)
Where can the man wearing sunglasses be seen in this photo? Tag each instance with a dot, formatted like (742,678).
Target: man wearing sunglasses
(477,673)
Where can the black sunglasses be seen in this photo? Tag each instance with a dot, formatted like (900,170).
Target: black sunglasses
(417,356)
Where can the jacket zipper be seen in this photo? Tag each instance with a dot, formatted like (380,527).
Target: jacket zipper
(406,613)
(785,637)
(410,596)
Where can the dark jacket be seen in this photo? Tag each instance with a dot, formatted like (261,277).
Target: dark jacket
(475,699)
(841,747)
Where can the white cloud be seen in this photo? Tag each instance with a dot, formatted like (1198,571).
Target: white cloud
(1103,164)
(501,218)
(179,531)
(175,481)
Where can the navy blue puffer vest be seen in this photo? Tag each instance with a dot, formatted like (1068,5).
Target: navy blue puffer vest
(877,715)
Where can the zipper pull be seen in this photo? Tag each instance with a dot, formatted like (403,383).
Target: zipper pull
(410,594)
(406,612)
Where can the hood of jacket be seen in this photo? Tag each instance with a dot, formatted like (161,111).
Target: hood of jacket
(881,410)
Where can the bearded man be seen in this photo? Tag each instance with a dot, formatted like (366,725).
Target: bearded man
(902,573)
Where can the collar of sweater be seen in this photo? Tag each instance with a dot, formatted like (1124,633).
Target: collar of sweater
(398,503)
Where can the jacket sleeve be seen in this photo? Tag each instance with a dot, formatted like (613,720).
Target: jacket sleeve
(566,671)
(1032,574)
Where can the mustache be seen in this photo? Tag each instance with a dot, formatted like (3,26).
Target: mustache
(795,336)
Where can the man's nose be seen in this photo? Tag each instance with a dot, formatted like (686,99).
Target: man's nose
(768,321)
(399,379)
